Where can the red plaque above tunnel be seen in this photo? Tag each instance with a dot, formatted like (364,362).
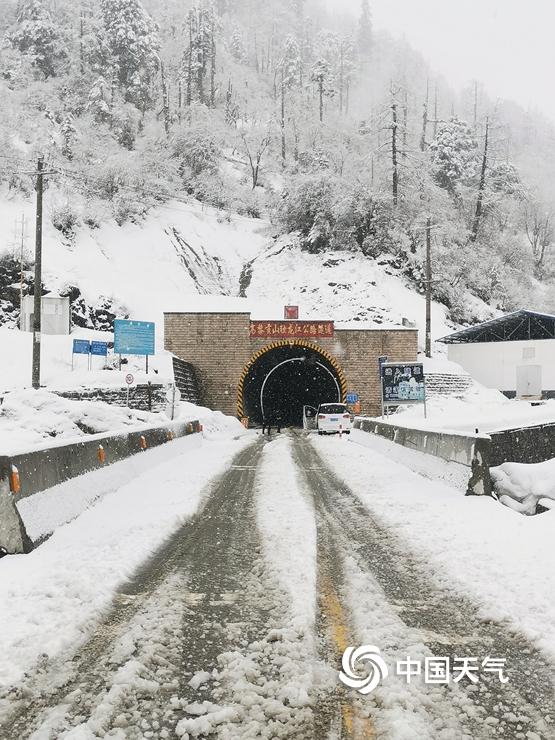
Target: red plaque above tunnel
(292,329)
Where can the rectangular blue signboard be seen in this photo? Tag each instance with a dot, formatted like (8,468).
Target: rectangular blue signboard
(133,337)
(81,346)
(352,397)
(99,348)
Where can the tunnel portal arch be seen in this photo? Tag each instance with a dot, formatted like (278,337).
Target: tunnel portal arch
(286,375)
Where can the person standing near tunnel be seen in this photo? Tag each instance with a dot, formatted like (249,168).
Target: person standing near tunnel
(266,422)
(278,419)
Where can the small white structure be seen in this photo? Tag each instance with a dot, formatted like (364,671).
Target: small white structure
(514,353)
(55,314)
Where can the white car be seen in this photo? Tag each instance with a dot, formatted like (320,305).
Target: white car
(333,418)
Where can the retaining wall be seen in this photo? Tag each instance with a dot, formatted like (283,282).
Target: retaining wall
(42,469)
(142,397)
(471,451)
(525,445)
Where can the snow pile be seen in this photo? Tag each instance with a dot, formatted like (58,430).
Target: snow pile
(33,419)
(287,522)
(481,408)
(521,487)
(216,425)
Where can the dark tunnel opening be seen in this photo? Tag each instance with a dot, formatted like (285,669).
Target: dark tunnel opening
(285,379)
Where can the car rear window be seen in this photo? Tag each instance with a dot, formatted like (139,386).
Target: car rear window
(332,408)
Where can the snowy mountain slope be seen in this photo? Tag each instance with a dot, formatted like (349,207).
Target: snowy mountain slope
(180,248)
(185,250)
(346,286)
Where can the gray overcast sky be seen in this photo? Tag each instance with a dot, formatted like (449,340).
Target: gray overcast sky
(507,44)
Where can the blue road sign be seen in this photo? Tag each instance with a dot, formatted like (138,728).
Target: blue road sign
(81,347)
(352,397)
(99,348)
(133,337)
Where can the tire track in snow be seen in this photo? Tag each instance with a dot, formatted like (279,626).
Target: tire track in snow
(203,642)
(398,602)
(47,690)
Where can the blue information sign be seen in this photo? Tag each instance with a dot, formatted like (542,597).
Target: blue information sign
(81,346)
(352,397)
(99,348)
(133,337)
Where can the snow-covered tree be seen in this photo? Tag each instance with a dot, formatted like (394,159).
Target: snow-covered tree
(99,99)
(68,131)
(320,74)
(133,43)
(237,45)
(291,62)
(199,60)
(35,34)
(454,153)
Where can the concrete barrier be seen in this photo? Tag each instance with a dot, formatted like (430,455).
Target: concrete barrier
(45,468)
(470,450)
(13,536)
(531,444)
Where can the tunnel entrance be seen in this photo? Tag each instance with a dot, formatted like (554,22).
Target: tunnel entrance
(283,378)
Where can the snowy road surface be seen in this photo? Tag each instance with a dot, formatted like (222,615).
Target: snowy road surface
(236,626)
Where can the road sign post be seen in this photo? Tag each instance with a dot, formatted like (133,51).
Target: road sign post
(80,347)
(173,396)
(129,379)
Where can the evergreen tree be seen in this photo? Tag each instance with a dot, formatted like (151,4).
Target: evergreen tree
(237,45)
(291,62)
(454,154)
(199,62)
(68,132)
(98,102)
(321,75)
(365,28)
(36,35)
(133,43)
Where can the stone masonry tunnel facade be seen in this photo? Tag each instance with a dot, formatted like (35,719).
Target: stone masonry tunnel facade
(292,364)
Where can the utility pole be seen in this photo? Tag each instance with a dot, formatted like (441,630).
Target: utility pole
(21,256)
(38,276)
(428,287)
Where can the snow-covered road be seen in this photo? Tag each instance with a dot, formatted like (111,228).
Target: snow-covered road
(235,626)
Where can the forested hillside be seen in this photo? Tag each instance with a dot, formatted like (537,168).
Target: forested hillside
(276,109)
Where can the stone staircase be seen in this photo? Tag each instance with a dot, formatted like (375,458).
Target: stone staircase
(186,380)
(441,385)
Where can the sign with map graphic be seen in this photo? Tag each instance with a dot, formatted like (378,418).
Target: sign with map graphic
(403,383)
